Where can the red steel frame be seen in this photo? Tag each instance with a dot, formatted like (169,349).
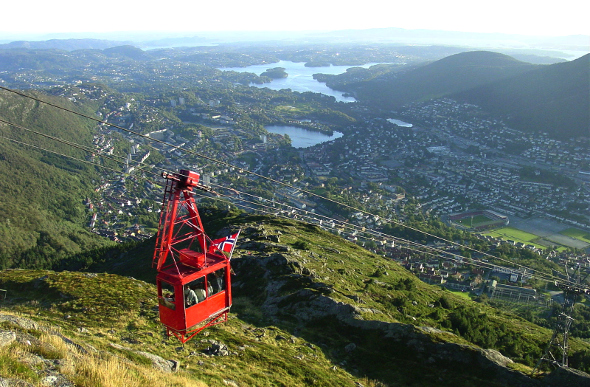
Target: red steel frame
(182,256)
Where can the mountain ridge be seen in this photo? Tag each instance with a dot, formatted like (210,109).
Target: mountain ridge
(451,74)
(535,98)
(532,99)
(332,304)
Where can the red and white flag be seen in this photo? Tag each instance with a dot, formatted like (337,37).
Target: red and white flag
(225,244)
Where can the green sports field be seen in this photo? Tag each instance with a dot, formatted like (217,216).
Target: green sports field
(577,234)
(477,220)
(511,233)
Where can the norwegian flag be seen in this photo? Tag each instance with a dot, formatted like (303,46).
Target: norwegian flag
(225,244)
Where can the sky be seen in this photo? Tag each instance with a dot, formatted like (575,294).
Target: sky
(21,18)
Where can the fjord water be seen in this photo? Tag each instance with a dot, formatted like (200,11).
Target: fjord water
(300,77)
(302,138)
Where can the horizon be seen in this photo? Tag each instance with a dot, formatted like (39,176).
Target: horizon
(48,20)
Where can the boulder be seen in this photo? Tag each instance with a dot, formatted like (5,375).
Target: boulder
(217,349)
(6,338)
(160,363)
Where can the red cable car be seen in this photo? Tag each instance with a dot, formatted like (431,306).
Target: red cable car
(193,280)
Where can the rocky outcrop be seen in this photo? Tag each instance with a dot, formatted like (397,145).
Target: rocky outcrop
(9,382)
(567,377)
(21,322)
(314,302)
(6,338)
(158,362)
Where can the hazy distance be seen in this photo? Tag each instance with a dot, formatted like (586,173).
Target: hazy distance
(38,20)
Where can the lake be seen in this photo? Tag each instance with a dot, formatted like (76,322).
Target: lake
(302,138)
(300,77)
(400,123)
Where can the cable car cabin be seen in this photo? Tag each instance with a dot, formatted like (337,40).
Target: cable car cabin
(192,299)
(193,280)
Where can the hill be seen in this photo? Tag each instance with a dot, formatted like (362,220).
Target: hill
(534,98)
(309,309)
(452,74)
(553,99)
(41,193)
(63,44)
(126,52)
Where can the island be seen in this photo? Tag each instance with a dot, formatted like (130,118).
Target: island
(275,73)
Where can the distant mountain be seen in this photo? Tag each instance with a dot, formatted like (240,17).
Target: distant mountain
(37,59)
(553,99)
(64,44)
(194,41)
(127,51)
(452,74)
(536,98)
(18,59)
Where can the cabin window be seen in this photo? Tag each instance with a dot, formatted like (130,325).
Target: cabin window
(166,295)
(194,292)
(216,281)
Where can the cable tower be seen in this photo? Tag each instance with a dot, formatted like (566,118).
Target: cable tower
(557,350)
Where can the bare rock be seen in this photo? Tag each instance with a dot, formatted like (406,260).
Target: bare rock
(160,363)
(217,349)
(56,381)
(8,382)
(6,338)
(24,323)
(567,377)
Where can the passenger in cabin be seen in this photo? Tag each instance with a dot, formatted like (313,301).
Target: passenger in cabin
(209,287)
(200,293)
(194,292)
(212,281)
(168,300)
(169,297)
(190,296)
(219,277)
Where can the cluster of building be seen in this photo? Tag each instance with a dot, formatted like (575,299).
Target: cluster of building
(448,164)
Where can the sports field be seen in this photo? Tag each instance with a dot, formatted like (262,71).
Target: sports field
(577,234)
(543,233)
(477,220)
(514,234)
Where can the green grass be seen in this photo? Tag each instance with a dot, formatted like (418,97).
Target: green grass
(12,367)
(577,234)
(116,309)
(511,233)
(465,295)
(477,220)
(273,349)
(299,109)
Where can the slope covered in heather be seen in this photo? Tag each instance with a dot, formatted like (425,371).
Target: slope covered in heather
(309,308)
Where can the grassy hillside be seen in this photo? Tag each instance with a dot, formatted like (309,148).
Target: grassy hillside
(42,193)
(309,309)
